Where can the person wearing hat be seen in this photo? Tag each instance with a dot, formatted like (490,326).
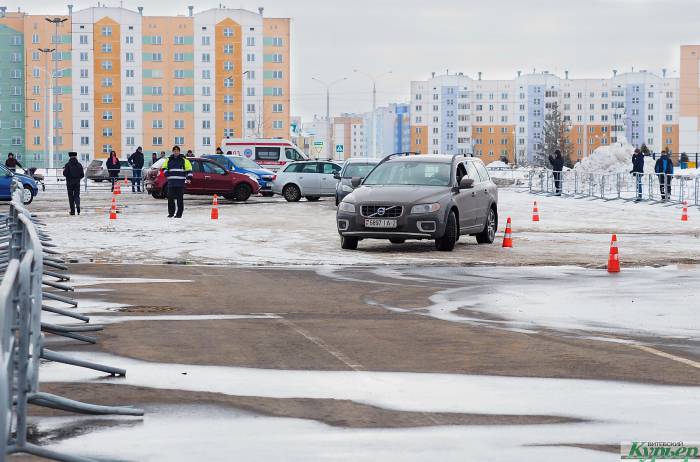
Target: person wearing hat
(12,163)
(638,171)
(557,166)
(178,171)
(136,162)
(74,172)
(189,153)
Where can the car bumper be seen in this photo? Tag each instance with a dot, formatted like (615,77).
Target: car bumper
(426,226)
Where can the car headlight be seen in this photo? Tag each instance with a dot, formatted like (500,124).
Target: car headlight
(346,188)
(253,177)
(425,208)
(346,207)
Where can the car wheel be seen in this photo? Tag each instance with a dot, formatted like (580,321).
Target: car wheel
(27,195)
(446,243)
(397,241)
(242,192)
(348,243)
(312,198)
(292,193)
(488,235)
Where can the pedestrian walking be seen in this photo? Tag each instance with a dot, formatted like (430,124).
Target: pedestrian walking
(664,169)
(136,162)
(178,171)
(12,163)
(113,168)
(557,166)
(74,172)
(638,171)
(154,158)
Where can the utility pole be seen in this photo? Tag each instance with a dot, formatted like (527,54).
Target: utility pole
(331,143)
(47,105)
(374,79)
(57,40)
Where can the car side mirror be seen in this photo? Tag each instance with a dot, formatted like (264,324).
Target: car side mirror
(466,183)
(356,181)
(336,175)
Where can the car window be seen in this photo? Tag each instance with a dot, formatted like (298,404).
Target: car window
(124,164)
(96,163)
(212,168)
(483,173)
(242,162)
(267,153)
(471,172)
(357,169)
(461,172)
(329,168)
(4,171)
(293,168)
(310,167)
(399,172)
(196,166)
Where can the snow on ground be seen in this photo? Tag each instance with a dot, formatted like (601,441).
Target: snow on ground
(612,408)
(272,231)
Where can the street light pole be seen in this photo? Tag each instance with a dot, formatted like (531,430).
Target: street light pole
(331,144)
(47,105)
(374,79)
(54,96)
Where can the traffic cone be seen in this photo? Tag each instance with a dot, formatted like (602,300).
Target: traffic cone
(614,258)
(113,209)
(507,239)
(535,212)
(117,188)
(215,208)
(684,216)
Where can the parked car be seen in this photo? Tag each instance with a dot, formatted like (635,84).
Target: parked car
(355,167)
(97,170)
(310,179)
(208,178)
(436,197)
(270,153)
(29,187)
(246,166)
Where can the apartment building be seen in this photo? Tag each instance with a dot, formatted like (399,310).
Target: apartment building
(495,119)
(125,79)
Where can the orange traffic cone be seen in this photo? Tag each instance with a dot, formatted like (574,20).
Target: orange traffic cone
(117,188)
(507,239)
(113,209)
(535,212)
(215,208)
(614,258)
(684,216)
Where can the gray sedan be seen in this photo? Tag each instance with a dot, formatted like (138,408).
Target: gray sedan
(310,179)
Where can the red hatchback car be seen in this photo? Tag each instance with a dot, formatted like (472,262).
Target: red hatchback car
(208,178)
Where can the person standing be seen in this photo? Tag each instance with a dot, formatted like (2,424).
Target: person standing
(113,168)
(189,153)
(136,162)
(638,171)
(178,171)
(664,169)
(74,172)
(12,163)
(154,158)
(557,166)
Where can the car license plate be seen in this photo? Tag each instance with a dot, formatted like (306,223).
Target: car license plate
(380,223)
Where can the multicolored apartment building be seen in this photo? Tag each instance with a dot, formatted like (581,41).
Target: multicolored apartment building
(124,79)
(494,119)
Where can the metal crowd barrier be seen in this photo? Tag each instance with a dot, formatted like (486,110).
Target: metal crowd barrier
(26,257)
(622,186)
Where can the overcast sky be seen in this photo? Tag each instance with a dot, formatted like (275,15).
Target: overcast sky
(412,38)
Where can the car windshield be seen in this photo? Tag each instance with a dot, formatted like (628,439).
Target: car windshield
(242,162)
(410,173)
(358,169)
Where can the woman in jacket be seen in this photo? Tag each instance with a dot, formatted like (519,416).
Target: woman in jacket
(12,163)
(113,168)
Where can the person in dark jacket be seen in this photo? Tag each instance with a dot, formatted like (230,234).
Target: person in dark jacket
(154,158)
(12,163)
(178,170)
(113,168)
(74,172)
(638,171)
(136,162)
(557,166)
(189,153)
(664,169)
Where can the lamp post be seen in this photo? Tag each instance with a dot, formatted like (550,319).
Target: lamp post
(331,144)
(56,40)
(48,113)
(374,79)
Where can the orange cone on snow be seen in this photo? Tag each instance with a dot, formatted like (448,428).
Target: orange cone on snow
(535,212)
(113,209)
(684,216)
(117,188)
(614,258)
(215,208)
(507,239)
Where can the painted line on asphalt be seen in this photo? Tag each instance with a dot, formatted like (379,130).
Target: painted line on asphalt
(323,345)
(686,361)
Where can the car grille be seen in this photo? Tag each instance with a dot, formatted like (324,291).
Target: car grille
(389,211)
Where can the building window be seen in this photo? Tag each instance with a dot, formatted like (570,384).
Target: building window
(129,57)
(130,107)
(206,91)
(206,74)
(228,66)
(228,49)
(157,123)
(277,124)
(129,39)
(276,41)
(106,131)
(157,141)
(228,116)
(106,31)
(250,108)
(157,91)
(130,124)
(250,57)
(206,107)
(84,107)
(179,107)
(206,57)
(206,40)
(156,40)
(84,140)
(250,91)
(179,124)
(106,48)
(107,115)
(179,140)
(228,82)
(228,32)
(129,90)
(83,56)
(206,141)
(106,82)
(228,99)
(130,141)
(106,148)
(179,91)
(179,57)
(179,40)
(206,124)
(277,107)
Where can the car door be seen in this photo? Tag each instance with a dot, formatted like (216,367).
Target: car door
(480,199)
(487,191)
(216,180)
(196,185)
(328,181)
(5,183)
(309,179)
(466,198)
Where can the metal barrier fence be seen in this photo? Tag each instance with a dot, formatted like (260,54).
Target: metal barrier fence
(672,189)
(26,257)
(53,180)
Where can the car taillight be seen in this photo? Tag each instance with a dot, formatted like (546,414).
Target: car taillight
(273,177)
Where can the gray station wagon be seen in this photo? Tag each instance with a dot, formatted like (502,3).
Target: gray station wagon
(436,197)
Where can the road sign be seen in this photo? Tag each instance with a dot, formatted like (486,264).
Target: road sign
(339,148)
(318,147)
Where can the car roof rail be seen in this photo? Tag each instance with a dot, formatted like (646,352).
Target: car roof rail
(398,154)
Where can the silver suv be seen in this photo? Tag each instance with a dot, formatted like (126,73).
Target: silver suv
(421,197)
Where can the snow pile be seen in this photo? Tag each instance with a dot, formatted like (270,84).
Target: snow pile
(612,159)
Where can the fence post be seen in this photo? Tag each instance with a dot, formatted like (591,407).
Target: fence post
(619,186)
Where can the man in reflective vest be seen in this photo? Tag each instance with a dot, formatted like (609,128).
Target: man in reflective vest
(178,170)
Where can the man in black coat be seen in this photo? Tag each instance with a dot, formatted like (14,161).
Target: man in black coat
(73,171)
(136,162)
(557,166)
(638,171)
